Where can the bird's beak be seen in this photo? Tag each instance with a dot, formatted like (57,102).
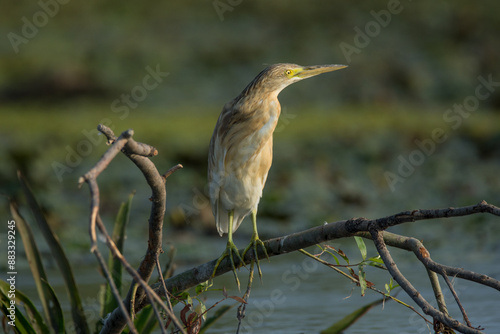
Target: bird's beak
(310,71)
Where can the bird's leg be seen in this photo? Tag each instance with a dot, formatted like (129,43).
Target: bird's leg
(254,242)
(230,249)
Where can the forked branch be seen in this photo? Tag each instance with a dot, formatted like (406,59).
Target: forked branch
(138,153)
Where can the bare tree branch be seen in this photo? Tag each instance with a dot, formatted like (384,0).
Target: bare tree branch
(171,171)
(136,152)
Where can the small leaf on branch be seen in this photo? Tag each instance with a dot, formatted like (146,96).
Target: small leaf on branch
(342,254)
(361,246)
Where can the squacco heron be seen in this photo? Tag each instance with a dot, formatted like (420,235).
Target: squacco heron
(241,152)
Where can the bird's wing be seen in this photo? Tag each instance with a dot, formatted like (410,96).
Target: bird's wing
(216,173)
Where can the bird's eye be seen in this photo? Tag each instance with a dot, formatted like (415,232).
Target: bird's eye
(288,72)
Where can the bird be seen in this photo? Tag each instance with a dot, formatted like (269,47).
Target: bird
(241,152)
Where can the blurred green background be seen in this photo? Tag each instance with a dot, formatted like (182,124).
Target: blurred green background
(64,68)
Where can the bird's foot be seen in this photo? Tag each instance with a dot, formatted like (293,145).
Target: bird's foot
(253,246)
(228,252)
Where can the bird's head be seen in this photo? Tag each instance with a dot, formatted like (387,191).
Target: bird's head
(274,78)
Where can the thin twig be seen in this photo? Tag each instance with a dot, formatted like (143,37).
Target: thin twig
(94,191)
(241,309)
(457,300)
(152,295)
(165,291)
(356,281)
(172,170)
(438,293)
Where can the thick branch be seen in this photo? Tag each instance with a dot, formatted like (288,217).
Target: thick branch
(137,152)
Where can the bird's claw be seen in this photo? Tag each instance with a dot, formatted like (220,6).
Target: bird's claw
(253,245)
(228,252)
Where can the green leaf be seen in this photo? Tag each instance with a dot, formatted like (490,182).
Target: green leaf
(342,255)
(350,319)
(201,309)
(376,259)
(22,325)
(361,246)
(29,307)
(55,308)
(331,253)
(376,262)
(202,287)
(389,287)
(45,293)
(114,264)
(60,258)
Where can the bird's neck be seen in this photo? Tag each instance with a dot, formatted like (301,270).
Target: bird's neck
(256,115)
(255,107)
